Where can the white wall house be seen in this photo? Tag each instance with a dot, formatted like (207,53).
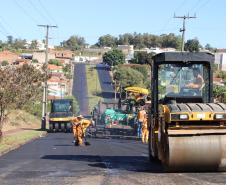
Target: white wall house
(220,60)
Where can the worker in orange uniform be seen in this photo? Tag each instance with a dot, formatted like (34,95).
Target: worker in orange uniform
(198,81)
(145,131)
(79,125)
(141,116)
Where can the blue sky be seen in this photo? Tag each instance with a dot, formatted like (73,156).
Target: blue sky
(93,18)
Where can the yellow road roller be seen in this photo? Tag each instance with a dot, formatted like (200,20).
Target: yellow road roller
(187,130)
(60,116)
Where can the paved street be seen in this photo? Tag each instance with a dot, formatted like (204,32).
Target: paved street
(80,88)
(53,160)
(105,82)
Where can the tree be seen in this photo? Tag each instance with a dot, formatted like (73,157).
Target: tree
(143,69)
(221,74)
(67,71)
(129,77)
(142,58)
(218,90)
(34,61)
(170,41)
(18,86)
(192,45)
(210,48)
(107,41)
(126,39)
(19,44)
(9,39)
(5,63)
(55,62)
(34,44)
(114,57)
(74,43)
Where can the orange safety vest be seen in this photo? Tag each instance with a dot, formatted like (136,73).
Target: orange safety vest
(141,115)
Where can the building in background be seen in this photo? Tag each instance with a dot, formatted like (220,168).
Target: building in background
(220,59)
(128,51)
(40,56)
(57,87)
(65,55)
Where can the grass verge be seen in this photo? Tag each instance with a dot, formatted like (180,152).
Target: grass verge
(15,140)
(19,128)
(93,83)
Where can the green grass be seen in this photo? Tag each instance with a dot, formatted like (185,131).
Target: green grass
(93,83)
(10,142)
(23,126)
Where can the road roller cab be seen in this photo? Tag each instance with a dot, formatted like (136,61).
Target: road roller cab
(60,115)
(185,124)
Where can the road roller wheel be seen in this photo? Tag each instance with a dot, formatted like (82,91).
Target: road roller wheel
(56,127)
(196,153)
(163,144)
(62,127)
(152,146)
(153,153)
(50,127)
(68,127)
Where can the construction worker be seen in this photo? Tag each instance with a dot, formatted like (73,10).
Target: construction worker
(79,125)
(198,81)
(141,116)
(145,131)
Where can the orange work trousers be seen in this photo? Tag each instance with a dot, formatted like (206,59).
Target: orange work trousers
(145,134)
(78,134)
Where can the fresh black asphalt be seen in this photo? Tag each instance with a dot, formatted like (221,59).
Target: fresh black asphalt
(105,82)
(54,160)
(80,90)
(55,156)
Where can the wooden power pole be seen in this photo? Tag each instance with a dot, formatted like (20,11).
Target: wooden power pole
(183,29)
(45,89)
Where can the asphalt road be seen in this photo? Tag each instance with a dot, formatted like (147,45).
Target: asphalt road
(53,160)
(105,82)
(80,90)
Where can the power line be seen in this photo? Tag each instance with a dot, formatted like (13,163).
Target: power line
(201,6)
(12,31)
(3,33)
(170,18)
(25,12)
(4,29)
(183,29)
(195,5)
(47,12)
(37,10)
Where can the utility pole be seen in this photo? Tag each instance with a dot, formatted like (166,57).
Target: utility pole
(183,29)
(45,89)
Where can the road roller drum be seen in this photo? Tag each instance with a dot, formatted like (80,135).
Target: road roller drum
(198,152)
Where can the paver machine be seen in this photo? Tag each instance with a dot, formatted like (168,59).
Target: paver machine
(60,115)
(187,130)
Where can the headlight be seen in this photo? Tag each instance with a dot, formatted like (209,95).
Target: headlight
(179,116)
(183,116)
(220,116)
